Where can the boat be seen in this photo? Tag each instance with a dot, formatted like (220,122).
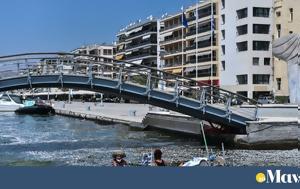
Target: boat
(10,102)
(35,107)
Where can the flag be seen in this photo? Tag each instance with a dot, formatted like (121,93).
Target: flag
(212,25)
(183,19)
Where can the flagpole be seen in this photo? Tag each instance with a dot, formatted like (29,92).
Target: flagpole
(197,25)
(211,47)
(182,42)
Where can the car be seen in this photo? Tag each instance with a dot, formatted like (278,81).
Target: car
(265,100)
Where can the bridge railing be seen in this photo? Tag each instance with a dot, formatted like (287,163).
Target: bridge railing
(32,64)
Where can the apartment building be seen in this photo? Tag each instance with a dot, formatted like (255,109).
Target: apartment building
(245,40)
(286,21)
(137,43)
(106,52)
(192,50)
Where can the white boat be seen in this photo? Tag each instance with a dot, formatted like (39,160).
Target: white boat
(10,102)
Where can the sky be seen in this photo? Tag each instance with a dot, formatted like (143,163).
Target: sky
(63,25)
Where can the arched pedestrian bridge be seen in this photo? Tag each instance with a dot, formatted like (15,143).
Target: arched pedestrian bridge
(144,84)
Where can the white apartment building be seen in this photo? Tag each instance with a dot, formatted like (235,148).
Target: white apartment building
(246,47)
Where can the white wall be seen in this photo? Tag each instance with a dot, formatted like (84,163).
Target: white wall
(238,63)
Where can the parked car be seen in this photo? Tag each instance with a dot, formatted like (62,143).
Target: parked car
(266,100)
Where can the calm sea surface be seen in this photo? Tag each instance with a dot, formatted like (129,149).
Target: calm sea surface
(60,141)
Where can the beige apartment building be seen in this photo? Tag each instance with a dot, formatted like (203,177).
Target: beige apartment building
(192,50)
(286,21)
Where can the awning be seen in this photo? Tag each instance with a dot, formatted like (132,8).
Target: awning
(138,61)
(166,34)
(147,36)
(121,47)
(190,69)
(204,67)
(200,53)
(176,71)
(134,30)
(204,38)
(163,36)
(120,57)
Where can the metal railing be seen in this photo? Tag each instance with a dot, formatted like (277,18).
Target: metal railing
(35,64)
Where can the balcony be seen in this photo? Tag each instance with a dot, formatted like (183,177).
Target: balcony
(200,45)
(201,59)
(139,54)
(141,32)
(171,27)
(200,30)
(174,51)
(146,42)
(173,64)
(171,39)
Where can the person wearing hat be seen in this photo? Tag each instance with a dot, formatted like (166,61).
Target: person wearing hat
(118,160)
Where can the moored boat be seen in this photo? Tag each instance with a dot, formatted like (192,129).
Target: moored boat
(10,102)
(36,108)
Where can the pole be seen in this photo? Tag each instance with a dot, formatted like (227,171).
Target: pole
(204,138)
(211,48)
(182,46)
(197,25)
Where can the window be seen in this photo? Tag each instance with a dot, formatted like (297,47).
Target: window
(278,83)
(223,34)
(278,27)
(261,79)
(261,28)
(242,13)
(242,46)
(223,65)
(223,49)
(267,61)
(243,93)
(255,61)
(261,45)
(278,14)
(242,79)
(223,19)
(223,4)
(291,14)
(242,30)
(261,12)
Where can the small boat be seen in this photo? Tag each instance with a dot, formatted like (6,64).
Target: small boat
(36,107)
(10,102)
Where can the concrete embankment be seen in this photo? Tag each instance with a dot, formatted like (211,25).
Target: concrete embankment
(130,114)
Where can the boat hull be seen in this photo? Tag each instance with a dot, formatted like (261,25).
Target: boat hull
(36,110)
(9,108)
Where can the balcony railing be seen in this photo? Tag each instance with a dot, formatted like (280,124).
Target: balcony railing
(131,46)
(171,39)
(133,56)
(171,27)
(200,45)
(141,32)
(200,30)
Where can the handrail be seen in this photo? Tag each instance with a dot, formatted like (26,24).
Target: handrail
(118,62)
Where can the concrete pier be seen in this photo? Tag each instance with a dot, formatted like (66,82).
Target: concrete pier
(130,114)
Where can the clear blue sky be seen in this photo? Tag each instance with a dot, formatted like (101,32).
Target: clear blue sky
(62,25)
